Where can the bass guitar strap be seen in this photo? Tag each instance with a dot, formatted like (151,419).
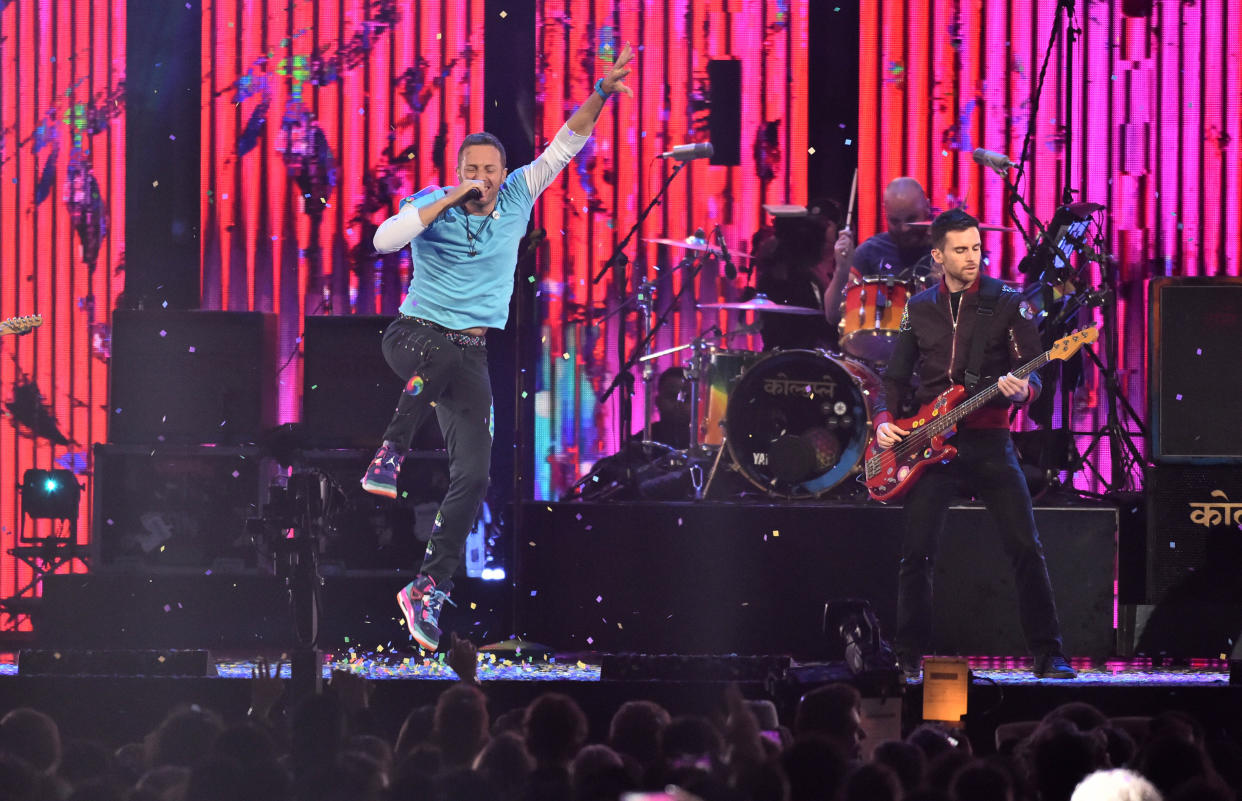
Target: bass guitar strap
(989,294)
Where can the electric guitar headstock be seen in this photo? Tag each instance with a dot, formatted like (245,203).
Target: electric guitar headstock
(1067,346)
(21,325)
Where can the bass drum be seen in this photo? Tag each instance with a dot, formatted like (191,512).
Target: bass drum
(798,421)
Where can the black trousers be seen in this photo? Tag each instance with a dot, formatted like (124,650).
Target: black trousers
(986,467)
(452,380)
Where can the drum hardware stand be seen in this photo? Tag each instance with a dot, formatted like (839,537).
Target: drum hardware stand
(700,352)
(699,348)
(643,349)
(645,299)
(711,476)
(1124,453)
(617,261)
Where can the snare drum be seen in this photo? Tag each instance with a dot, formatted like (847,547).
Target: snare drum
(799,420)
(871,317)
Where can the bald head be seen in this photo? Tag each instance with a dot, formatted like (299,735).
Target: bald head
(906,202)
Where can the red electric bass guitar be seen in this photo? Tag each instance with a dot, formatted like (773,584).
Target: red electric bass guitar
(891,472)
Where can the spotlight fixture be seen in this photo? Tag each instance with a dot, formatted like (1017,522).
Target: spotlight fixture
(50,494)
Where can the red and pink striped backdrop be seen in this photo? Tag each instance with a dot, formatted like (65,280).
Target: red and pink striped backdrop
(595,203)
(62,166)
(1155,116)
(392,87)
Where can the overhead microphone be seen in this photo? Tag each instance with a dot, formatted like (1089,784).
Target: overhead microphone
(990,158)
(730,269)
(698,150)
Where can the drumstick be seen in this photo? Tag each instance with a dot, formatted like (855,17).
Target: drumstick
(849,210)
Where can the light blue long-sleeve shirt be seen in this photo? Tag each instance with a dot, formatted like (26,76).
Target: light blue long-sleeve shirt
(447,285)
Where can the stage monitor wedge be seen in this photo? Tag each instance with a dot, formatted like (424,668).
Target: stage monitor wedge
(1195,373)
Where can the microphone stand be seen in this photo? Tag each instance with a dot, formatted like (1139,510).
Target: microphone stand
(617,262)
(1031,239)
(640,349)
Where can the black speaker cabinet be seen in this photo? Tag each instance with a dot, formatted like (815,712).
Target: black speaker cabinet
(1193,516)
(191,377)
(348,391)
(1194,329)
(1193,552)
(754,578)
(724,119)
(176,507)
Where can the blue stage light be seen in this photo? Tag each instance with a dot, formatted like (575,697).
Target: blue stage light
(50,494)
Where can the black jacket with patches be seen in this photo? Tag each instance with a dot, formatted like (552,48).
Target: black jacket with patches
(932,344)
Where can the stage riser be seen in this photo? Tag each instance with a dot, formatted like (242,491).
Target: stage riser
(716,578)
(249,612)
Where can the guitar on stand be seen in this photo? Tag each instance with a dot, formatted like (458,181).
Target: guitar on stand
(20,325)
(891,472)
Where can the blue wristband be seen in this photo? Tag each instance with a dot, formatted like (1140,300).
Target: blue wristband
(599,89)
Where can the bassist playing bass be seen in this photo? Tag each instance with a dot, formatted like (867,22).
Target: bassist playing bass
(968,328)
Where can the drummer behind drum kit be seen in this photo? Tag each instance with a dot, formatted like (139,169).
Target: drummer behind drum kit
(794,423)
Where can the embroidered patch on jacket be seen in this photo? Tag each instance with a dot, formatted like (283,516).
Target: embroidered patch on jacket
(1026,310)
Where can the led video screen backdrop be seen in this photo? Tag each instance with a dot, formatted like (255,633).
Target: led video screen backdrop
(1154,116)
(317,115)
(594,204)
(62,200)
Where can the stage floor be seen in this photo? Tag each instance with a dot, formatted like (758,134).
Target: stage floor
(120,709)
(393,666)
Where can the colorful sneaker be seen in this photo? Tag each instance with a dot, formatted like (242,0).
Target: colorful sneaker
(381,476)
(421,603)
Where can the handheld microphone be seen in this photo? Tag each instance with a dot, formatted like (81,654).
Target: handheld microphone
(730,269)
(698,150)
(474,194)
(990,158)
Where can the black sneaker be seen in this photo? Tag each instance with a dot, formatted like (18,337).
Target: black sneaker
(911,666)
(1053,666)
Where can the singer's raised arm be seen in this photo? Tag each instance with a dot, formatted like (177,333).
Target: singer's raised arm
(582,121)
(574,133)
(420,210)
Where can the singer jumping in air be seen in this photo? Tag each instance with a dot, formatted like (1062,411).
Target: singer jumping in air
(464,242)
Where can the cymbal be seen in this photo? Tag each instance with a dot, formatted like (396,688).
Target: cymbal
(701,247)
(760,303)
(982,226)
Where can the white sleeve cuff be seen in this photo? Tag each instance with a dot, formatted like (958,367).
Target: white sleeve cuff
(559,152)
(398,230)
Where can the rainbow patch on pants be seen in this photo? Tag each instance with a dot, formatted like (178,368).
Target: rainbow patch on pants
(415,385)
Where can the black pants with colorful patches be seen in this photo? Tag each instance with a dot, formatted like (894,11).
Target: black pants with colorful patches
(450,379)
